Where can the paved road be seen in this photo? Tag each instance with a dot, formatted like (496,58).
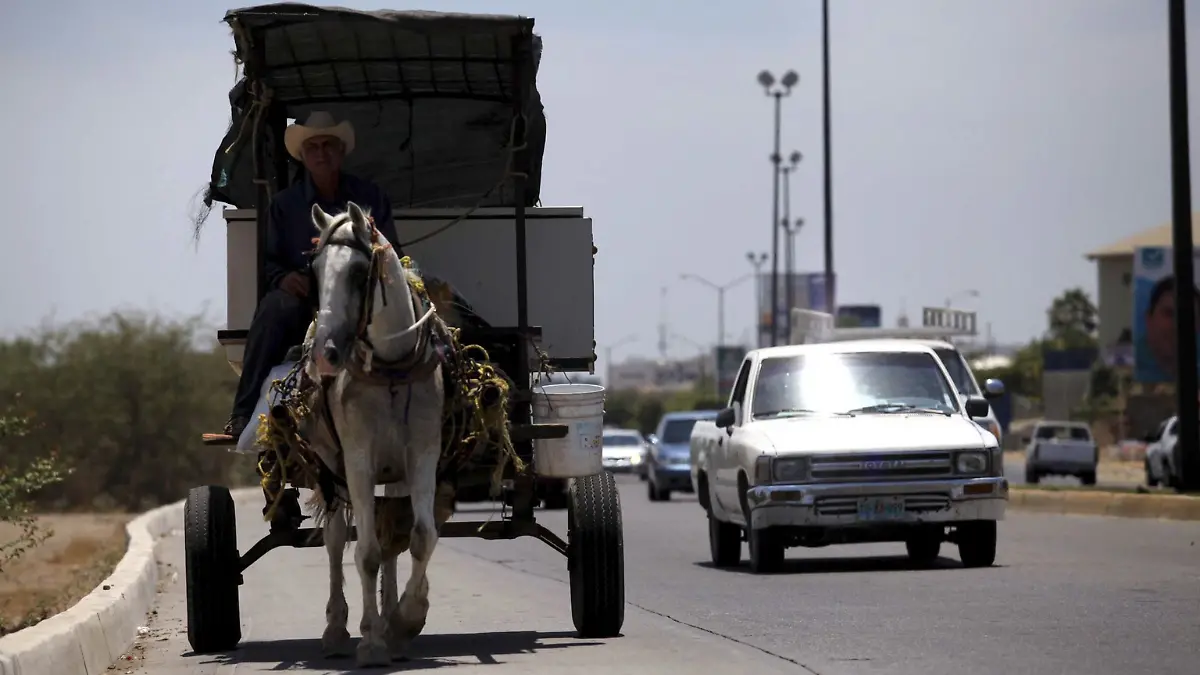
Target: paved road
(1068,595)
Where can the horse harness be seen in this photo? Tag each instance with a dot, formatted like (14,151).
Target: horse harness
(362,364)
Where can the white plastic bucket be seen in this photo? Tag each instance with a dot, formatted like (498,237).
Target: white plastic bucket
(581,408)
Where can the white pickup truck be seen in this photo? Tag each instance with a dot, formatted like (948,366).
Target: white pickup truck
(848,442)
(1061,449)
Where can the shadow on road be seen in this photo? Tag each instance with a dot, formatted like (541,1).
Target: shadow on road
(428,651)
(844,565)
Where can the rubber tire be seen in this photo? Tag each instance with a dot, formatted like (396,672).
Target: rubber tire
(976,541)
(924,547)
(596,556)
(211,570)
(724,543)
(1088,478)
(766,551)
(655,494)
(1032,477)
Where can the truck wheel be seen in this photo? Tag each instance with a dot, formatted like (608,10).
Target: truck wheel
(211,570)
(976,541)
(655,493)
(766,551)
(924,546)
(1031,476)
(724,543)
(596,556)
(1088,478)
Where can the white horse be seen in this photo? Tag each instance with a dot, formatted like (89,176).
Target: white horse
(381,381)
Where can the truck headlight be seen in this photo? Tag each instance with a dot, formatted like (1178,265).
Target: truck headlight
(789,469)
(971,462)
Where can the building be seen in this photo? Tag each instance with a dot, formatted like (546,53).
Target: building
(1114,272)
(643,374)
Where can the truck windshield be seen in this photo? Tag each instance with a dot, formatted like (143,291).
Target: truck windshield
(963,380)
(854,381)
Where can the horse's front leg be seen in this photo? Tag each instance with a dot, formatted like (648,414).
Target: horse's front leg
(414,604)
(336,639)
(368,556)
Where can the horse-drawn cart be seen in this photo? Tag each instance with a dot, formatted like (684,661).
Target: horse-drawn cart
(450,126)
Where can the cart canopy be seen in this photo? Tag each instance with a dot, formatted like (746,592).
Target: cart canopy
(431,96)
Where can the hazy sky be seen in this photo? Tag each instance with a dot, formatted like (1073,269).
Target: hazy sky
(978,144)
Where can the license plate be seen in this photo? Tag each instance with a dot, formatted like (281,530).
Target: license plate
(881,508)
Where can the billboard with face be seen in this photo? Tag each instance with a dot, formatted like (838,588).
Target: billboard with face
(1155,355)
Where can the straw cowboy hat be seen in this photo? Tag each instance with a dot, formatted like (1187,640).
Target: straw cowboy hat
(320,123)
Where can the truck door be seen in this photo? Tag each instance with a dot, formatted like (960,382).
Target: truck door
(725,480)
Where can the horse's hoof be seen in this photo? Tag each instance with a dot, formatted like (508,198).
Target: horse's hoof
(373,654)
(336,643)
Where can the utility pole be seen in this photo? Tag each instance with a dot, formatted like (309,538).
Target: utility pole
(1182,246)
(662,325)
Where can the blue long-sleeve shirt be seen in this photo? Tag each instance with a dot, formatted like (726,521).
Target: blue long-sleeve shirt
(290,229)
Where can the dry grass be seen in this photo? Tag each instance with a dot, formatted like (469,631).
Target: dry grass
(54,576)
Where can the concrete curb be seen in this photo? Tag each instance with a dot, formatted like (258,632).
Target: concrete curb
(1099,503)
(90,636)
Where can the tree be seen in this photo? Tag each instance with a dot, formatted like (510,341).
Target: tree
(1073,320)
(123,400)
(17,485)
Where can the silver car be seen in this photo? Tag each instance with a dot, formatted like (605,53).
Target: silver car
(623,450)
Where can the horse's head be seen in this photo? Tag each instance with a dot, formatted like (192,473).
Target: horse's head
(342,269)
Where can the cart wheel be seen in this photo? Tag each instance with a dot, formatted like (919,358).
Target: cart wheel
(211,566)
(596,556)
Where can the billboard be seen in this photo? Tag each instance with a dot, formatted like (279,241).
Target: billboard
(1154,348)
(860,316)
(808,292)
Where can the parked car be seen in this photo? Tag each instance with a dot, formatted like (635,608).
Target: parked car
(1061,449)
(1161,454)
(668,466)
(623,450)
(845,443)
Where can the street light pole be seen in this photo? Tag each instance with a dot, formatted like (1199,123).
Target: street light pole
(786,226)
(1182,246)
(767,80)
(757,261)
(608,361)
(828,158)
(720,289)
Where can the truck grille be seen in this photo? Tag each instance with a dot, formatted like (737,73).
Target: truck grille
(882,467)
(915,503)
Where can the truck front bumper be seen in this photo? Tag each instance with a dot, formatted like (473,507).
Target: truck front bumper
(855,504)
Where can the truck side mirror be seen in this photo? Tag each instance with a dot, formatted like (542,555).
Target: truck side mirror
(977,407)
(726,418)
